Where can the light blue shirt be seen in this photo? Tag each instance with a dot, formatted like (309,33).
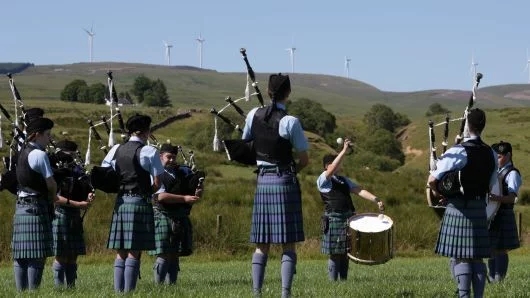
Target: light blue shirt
(149,158)
(39,162)
(513,180)
(289,128)
(324,185)
(455,158)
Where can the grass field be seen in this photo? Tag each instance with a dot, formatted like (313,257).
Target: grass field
(400,277)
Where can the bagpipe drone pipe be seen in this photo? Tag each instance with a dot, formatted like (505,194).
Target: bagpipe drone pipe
(450,182)
(106,178)
(238,150)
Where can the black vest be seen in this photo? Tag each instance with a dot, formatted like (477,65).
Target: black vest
(502,177)
(28,179)
(176,181)
(132,176)
(268,143)
(338,199)
(476,174)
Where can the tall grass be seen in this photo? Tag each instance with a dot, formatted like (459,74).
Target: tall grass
(400,277)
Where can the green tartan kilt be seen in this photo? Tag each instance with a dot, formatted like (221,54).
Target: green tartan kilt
(32,232)
(173,234)
(68,232)
(335,236)
(132,226)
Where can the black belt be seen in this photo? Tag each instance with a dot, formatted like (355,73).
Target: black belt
(275,169)
(32,200)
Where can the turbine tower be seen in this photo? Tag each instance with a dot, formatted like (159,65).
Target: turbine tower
(527,67)
(200,40)
(90,42)
(347,66)
(291,54)
(473,68)
(168,51)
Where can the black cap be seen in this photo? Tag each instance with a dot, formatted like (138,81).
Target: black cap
(33,113)
(39,125)
(327,159)
(138,122)
(67,145)
(476,119)
(502,147)
(279,84)
(169,149)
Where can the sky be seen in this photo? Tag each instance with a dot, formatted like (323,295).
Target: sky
(406,45)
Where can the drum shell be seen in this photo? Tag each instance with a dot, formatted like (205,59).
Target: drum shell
(369,248)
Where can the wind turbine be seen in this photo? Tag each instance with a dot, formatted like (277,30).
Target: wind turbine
(168,52)
(527,68)
(347,66)
(291,54)
(90,41)
(473,67)
(200,40)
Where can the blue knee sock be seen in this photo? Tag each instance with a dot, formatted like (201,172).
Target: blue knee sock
(333,268)
(172,272)
(58,274)
(501,266)
(130,274)
(71,275)
(21,274)
(463,273)
(452,263)
(259,262)
(119,269)
(160,270)
(288,269)
(344,266)
(35,270)
(479,278)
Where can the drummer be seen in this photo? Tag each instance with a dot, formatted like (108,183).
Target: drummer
(335,192)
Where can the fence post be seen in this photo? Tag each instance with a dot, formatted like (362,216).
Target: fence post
(218,225)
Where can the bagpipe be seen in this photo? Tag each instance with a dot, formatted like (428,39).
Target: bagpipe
(107,179)
(60,164)
(450,184)
(238,150)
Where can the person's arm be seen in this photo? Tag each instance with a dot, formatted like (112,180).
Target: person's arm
(514,181)
(365,194)
(303,161)
(291,128)
(166,197)
(332,167)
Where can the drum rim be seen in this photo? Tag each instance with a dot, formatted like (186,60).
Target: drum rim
(372,214)
(370,262)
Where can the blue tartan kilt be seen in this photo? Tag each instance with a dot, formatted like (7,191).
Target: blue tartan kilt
(32,232)
(336,240)
(277,212)
(67,230)
(173,234)
(464,230)
(132,226)
(503,230)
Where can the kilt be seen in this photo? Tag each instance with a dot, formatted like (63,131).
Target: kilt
(67,230)
(277,211)
(464,230)
(173,233)
(32,231)
(335,240)
(132,226)
(503,230)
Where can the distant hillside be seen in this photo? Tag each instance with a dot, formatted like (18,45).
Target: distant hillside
(191,87)
(14,67)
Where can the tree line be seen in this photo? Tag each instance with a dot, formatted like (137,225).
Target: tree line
(151,93)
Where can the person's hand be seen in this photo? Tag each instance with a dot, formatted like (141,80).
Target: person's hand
(190,199)
(347,145)
(380,205)
(91,197)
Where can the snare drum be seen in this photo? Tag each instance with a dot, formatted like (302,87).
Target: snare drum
(371,238)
